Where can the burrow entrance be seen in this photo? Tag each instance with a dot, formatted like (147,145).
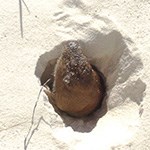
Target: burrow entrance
(112,54)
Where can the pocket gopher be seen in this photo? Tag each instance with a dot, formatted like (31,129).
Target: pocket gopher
(78,88)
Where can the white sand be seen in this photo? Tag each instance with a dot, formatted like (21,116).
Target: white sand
(115,36)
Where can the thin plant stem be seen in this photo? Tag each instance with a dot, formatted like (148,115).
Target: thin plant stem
(21,22)
(20,13)
(26,6)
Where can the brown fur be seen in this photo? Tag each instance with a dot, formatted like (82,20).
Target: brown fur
(77,88)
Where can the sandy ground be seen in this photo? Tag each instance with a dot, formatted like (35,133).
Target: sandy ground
(115,35)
